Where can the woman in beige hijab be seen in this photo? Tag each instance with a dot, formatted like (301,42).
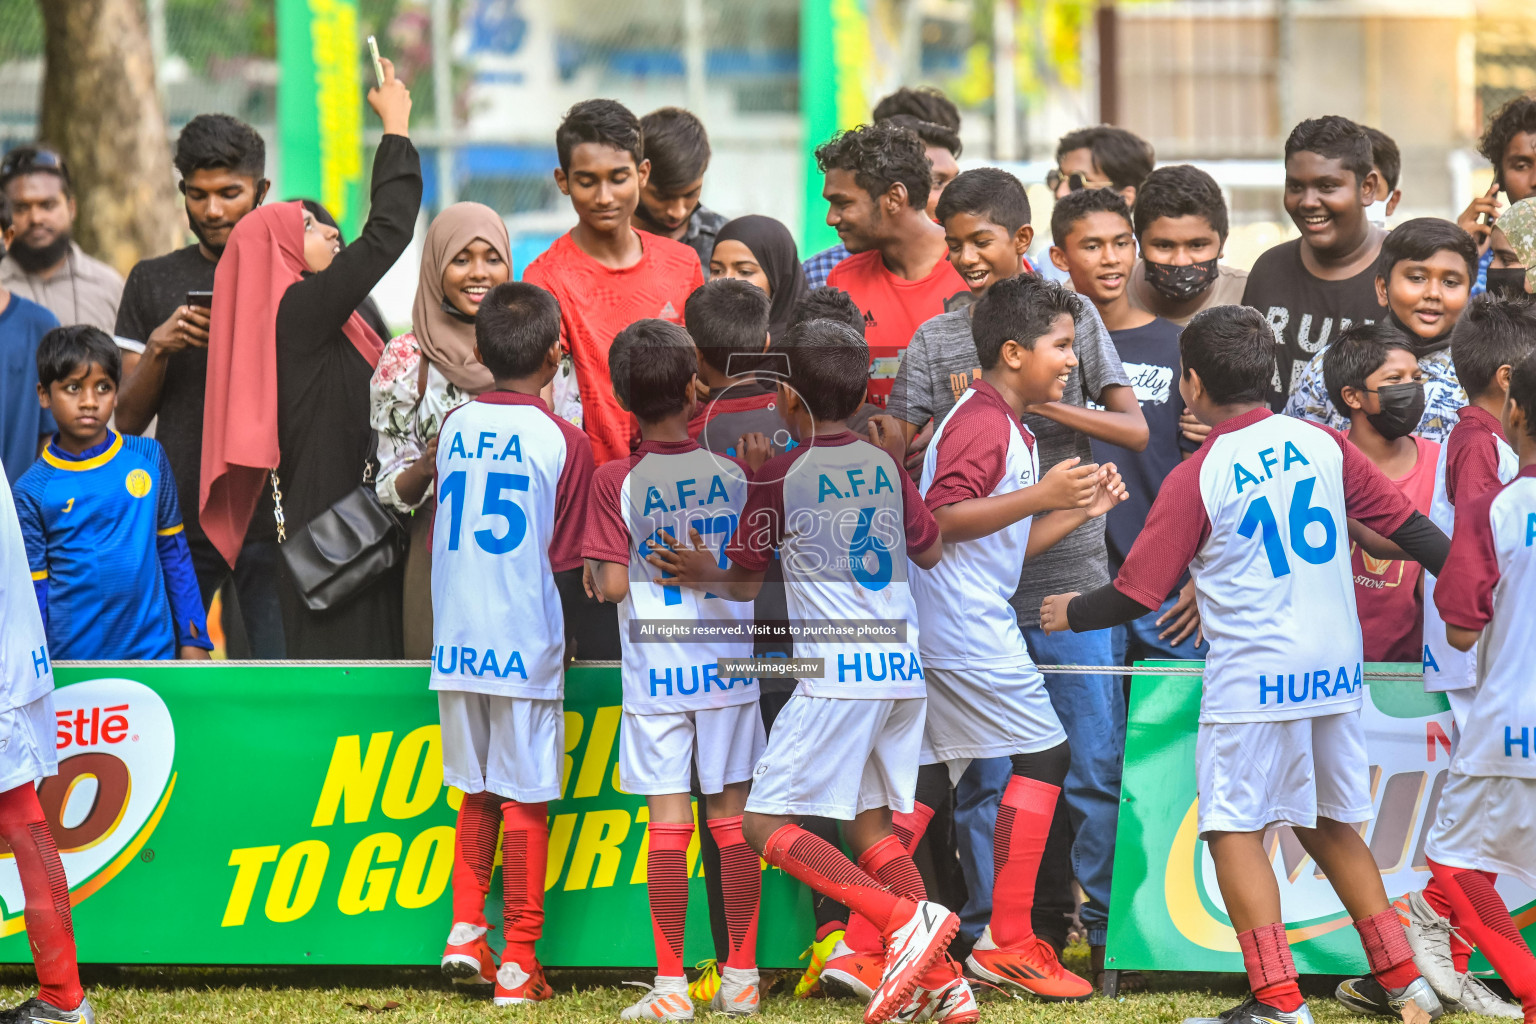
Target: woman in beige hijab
(426,373)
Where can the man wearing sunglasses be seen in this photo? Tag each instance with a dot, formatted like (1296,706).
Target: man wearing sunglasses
(45,265)
(1102,156)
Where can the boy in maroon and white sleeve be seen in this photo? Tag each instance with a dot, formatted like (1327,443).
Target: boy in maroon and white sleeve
(512,483)
(1487,595)
(1493,335)
(681,714)
(1258,516)
(845,520)
(981,478)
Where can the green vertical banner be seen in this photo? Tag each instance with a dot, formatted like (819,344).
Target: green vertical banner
(835,58)
(319,106)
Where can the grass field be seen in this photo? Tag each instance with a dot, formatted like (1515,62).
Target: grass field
(148,995)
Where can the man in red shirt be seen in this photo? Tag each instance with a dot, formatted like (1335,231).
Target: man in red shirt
(877,182)
(606,274)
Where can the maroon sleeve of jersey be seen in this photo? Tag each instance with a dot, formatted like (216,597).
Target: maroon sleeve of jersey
(607,532)
(971,458)
(1471,462)
(761,529)
(1464,588)
(1176,528)
(571,495)
(1369,495)
(922,528)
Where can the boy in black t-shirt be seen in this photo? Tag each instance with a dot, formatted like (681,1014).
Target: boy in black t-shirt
(1311,288)
(1094,244)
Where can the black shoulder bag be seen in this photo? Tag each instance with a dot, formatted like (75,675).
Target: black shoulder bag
(344,549)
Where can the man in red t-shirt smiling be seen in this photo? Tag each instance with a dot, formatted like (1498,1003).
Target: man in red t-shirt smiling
(606,274)
(877,182)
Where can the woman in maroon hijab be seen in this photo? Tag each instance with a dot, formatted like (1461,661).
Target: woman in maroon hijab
(289,361)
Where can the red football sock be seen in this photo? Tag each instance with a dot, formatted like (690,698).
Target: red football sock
(666,876)
(830,927)
(888,861)
(1435,896)
(1271,971)
(1387,949)
(1018,843)
(1487,919)
(824,868)
(50,929)
(741,880)
(524,859)
(474,855)
(907,829)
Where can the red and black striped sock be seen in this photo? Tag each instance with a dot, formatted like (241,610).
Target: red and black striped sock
(666,876)
(474,855)
(1018,844)
(50,928)
(907,830)
(824,868)
(741,882)
(524,860)
(1487,920)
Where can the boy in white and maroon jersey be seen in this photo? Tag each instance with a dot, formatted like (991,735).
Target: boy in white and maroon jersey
(512,482)
(1486,823)
(1493,335)
(1258,517)
(844,519)
(981,479)
(679,711)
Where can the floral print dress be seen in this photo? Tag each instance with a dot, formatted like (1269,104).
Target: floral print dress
(407,420)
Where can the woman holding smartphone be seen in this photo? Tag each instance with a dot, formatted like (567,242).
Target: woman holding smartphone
(289,365)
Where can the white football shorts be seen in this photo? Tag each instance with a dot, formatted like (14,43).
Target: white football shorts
(29,748)
(513,747)
(1486,823)
(989,712)
(836,758)
(656,751)
(1252,775)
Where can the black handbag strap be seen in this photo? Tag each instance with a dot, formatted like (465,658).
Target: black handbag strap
(370,470)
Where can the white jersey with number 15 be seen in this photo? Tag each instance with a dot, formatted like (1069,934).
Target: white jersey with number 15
(512,483)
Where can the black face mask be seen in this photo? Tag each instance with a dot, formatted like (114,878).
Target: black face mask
(1180,284)
(1506,281)
(457,313)
(1402,406)
(1422,346)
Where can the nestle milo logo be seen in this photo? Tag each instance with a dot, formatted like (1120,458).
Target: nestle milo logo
(116,745)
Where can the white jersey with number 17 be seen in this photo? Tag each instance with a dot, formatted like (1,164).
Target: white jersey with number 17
(512,483)
(1258,515)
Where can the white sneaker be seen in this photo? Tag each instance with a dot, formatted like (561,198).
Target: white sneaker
(954,1003)
(1475,997)
(1429,936)
(738,993)
(912,950)
(665,1000)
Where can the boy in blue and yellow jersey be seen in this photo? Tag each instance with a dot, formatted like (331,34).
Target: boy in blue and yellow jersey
(103,529)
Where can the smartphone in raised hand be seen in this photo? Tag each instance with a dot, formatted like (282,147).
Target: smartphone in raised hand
(378,65)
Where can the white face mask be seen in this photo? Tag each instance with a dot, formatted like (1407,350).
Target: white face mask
(1376,213)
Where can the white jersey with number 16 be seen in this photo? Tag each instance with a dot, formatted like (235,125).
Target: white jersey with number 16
(512,483)
(1258,514)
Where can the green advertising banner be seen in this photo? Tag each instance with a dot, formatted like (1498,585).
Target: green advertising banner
(835,59)
(1166,911)
(296,814)
(320,106)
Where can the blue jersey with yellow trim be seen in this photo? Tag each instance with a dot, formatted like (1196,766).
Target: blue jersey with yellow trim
(103,529)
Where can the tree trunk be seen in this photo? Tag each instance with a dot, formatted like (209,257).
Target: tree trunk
(102,111)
